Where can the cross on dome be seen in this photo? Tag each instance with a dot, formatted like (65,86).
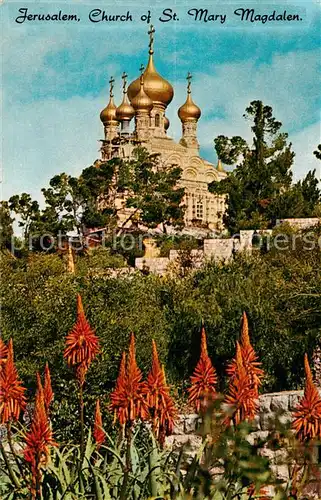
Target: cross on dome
(111,83)
(151,32)
(156,87)
(189,81)
(124,78)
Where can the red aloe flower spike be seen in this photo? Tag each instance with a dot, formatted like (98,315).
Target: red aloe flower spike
(48,392)
(250,359)
(38,440)
(307,416)
(3,354)
(204,378)
(119,392)
(99,433)
(155,379)
(307,369)
(128,398)
(40,387)
(160,403)
(82,344)
(245,338)
(12,392)
(136,388)
(241,397)
(80,307)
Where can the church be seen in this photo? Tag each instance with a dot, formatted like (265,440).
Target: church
(145,102)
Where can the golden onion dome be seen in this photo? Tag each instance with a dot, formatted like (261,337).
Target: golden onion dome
(142,102)
(108,114)
(125,112)
(189,111)
(156,87)
(166,123)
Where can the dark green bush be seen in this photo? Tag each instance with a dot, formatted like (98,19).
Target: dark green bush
(280,291)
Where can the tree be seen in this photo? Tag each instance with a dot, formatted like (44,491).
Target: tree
(317,152)
(98,185)
(263,171)
(28,212)
(62,204)
(301,200)
(6,230)
(72,203)
(152,191)
(141,185)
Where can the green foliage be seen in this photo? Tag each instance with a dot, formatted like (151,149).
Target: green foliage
(28,212)
(152,190)
(147,189)
(97,260)
(279,290)
(259,188)
(180,243)
(136,468)
(6,230)
(317,152)
(300,200)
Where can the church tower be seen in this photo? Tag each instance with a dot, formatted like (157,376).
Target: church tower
(189,114)
(159,90)
(125,112)
(143,106)
(108,115)
(146,100)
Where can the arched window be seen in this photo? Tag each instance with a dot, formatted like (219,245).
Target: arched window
(157,120)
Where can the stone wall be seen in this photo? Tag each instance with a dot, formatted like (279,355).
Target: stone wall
(185,431)
(157,265)
(219,249)
(302,223)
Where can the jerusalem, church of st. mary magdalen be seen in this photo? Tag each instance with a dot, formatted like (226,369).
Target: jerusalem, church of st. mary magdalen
(146,100)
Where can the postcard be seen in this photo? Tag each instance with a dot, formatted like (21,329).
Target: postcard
(160,249)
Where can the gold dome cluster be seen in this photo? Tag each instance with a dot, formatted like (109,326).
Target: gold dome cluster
(147,91)
(189,111)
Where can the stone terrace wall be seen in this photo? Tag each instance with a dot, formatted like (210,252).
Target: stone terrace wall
(219,249)
(302,223)
(185,431)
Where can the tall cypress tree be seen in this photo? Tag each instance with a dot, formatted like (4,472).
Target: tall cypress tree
(263,174)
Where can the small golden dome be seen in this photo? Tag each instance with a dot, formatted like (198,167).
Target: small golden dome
(189,111)
(141,102)
(125,111)
(156,87)
(166,123)
(108,114)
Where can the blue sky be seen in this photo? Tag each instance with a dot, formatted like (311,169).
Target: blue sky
(55,79)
